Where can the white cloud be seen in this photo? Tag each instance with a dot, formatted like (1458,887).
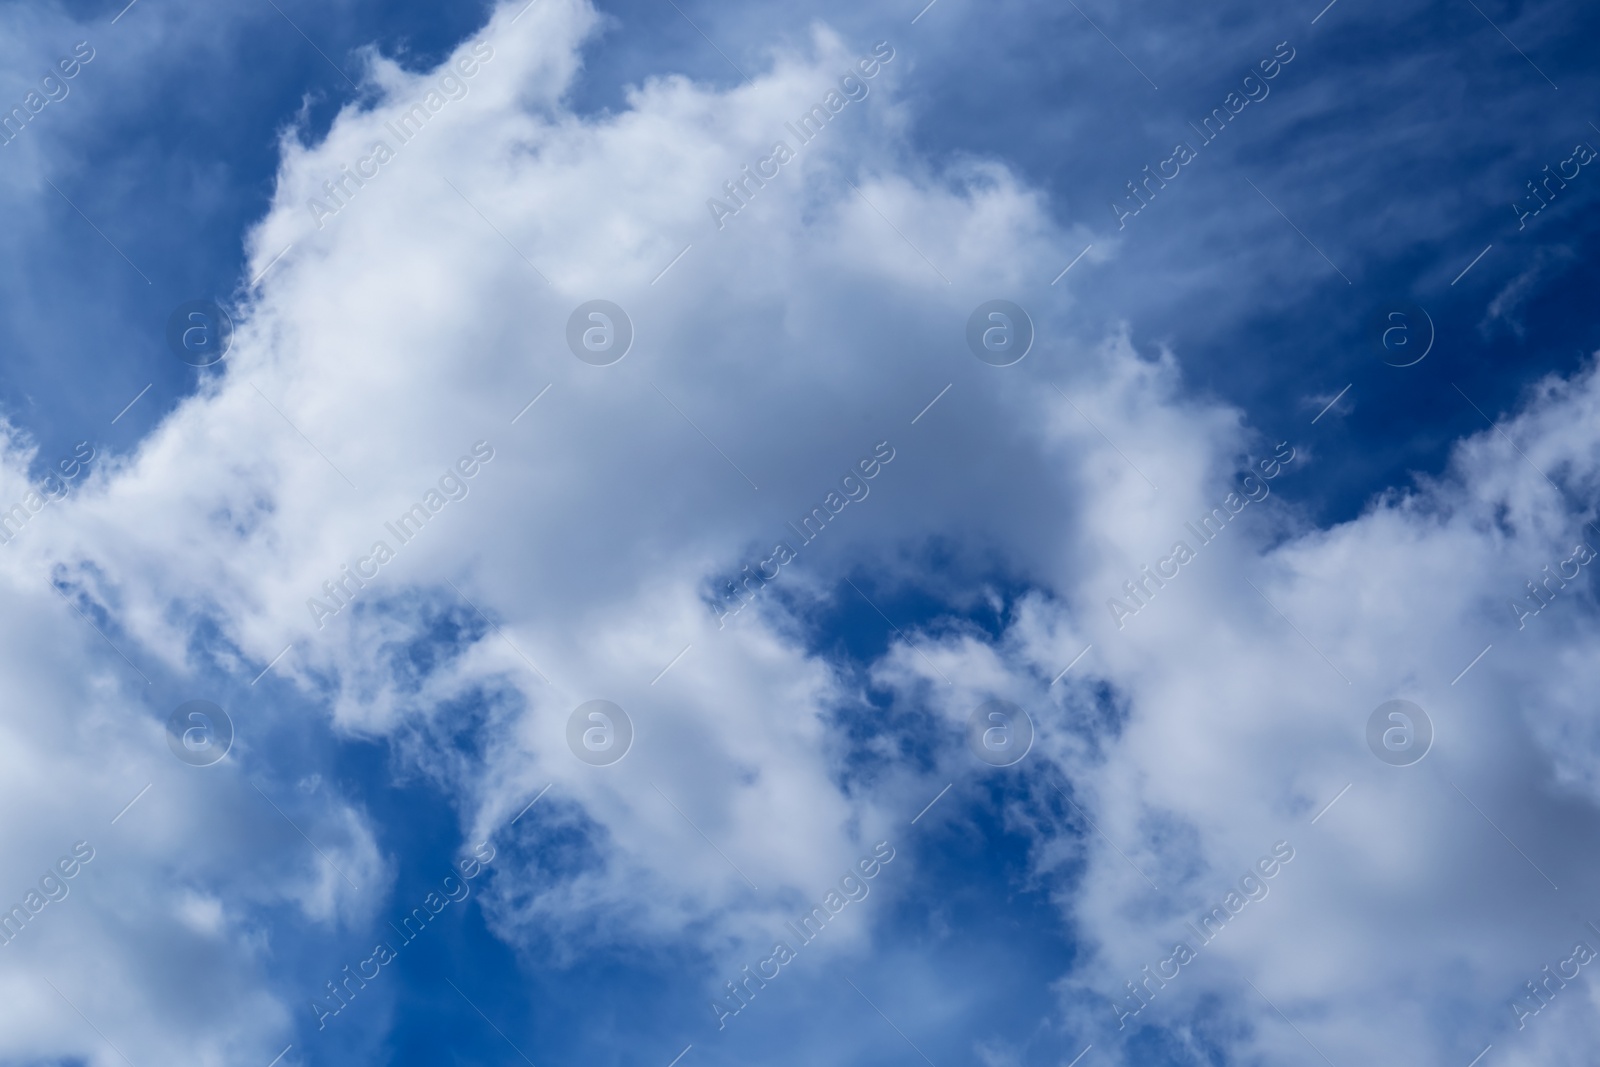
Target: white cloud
(1238,732)
(420,318)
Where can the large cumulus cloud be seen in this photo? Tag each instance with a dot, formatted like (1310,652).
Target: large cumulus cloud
(413,326)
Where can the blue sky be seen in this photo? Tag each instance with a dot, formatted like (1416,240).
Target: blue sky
(407,354)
